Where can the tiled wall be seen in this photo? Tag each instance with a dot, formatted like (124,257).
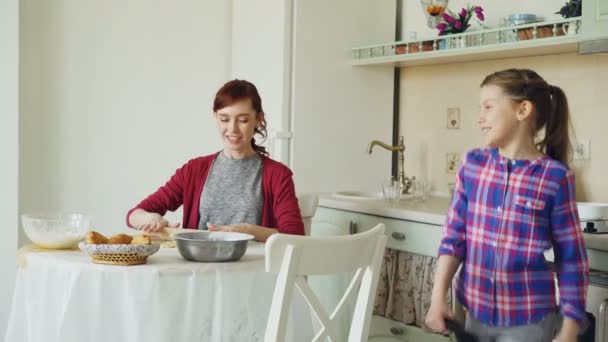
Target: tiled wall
(427,92)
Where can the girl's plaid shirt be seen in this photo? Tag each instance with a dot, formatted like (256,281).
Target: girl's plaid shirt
(504,215)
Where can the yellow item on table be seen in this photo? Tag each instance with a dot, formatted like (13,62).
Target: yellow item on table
(25,250)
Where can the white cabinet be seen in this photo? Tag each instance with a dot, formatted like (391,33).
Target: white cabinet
(329,222)
(317,106)
(595,19)
(337,110)
(409,236)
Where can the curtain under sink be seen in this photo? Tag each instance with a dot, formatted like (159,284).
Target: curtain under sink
(405,286)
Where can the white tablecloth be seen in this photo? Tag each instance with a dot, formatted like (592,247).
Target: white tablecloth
(63,296)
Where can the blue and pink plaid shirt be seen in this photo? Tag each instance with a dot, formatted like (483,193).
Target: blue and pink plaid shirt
(504,215)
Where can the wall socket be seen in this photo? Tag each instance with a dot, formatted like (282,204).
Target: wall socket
(453,118)
(581,150)
(452,160)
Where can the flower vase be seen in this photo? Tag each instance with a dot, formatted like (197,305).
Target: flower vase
(570,28)
(457,42)
(462,42)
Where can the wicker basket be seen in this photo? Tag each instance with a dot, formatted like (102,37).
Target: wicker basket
(544,31)
(123,255)
(119,259)
(414,47)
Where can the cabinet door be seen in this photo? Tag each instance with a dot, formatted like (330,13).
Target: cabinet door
(337,109)
(330,288)
(386,330)
(407,236)
(331,222)
(595,19)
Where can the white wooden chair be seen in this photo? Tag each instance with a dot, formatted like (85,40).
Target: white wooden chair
(294,257)
(308,206)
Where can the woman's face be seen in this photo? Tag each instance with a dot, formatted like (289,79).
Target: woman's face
(497,116)
(236,124)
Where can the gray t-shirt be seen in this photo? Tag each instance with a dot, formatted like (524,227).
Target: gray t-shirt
(232,192)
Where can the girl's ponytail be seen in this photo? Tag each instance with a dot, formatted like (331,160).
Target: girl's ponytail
(556,142)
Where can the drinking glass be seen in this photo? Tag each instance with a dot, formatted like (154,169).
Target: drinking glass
(421,189)
(391,191)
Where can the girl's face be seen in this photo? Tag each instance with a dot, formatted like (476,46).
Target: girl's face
(497,117)
(236,124)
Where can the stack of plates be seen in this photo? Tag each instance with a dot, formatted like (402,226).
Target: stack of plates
(521,19)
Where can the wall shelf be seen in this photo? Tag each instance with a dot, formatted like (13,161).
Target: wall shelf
(535,39)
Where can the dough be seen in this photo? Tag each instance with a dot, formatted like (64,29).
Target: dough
(141,239)
(95,238)
(120,239)
(168,244)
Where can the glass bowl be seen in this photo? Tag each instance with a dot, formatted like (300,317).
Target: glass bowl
(56,230)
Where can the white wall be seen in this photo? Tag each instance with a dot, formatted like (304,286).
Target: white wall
(261,53)
(114,97)
(9,151)
(584,79)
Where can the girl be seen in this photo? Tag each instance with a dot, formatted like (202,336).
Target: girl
(512,202)
(237,189)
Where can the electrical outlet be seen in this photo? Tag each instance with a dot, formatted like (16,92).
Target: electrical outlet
(581,150)
(452,162)
(453,118)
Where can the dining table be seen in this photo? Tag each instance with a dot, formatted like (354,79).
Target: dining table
(64,296)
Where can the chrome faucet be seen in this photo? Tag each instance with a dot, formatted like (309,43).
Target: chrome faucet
(405,182)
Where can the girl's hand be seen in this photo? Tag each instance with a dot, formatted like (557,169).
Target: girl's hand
(155,223)
(561,338)
(568,332)
(435,318)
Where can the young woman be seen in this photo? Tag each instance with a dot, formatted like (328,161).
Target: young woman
(512,202)
(238,189)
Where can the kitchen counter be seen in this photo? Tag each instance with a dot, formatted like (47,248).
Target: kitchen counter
(431,211)
(596,241)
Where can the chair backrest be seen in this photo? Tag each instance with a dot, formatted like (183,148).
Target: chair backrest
(308,206)
(294,257)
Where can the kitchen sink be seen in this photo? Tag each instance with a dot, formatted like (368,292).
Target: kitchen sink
(358,195)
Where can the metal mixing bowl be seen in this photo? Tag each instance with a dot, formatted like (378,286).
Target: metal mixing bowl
(211,246)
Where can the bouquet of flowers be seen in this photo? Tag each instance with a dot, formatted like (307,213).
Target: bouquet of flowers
(457,23)
(572,8)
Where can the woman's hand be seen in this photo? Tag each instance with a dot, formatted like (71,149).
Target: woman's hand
(259,233)
(239,228)
(156,224)
(149,222)
(435,318)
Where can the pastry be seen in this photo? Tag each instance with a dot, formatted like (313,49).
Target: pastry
(141,239)
(168,244)
(120,239)
(95,238)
